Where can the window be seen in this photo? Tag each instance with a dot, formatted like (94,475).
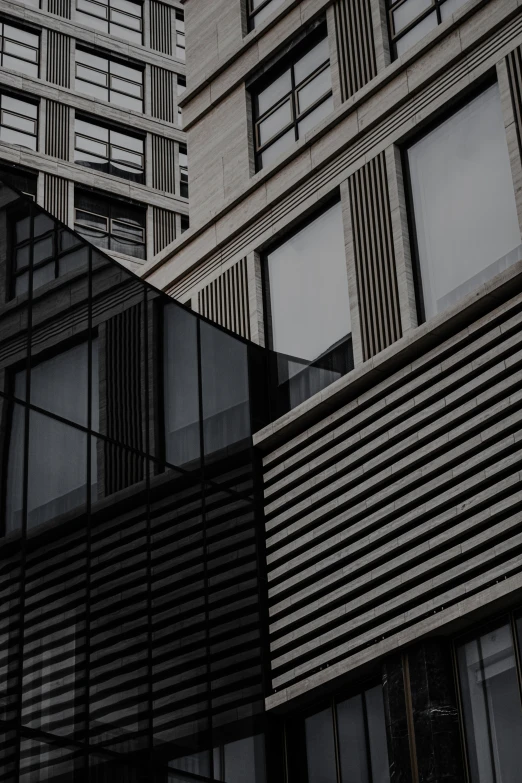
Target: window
(109,80)
(180,35)
(259,10)
(117,17)
(57,452)
(238,761)
(308,308)
(184,223)
(183,171)
(292,103)
(20,49)
(18,121)
(464,209)
(110,224)
(489,683)
(410,20)
(109,150)
(42,243)
(182,86)
(24,181)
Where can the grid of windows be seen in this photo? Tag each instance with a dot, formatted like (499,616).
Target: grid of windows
(259,10)
(19,49)
(117,17)
(18,121)
(109,150)
(50,250)
(180,35)
(110,224)
(410,20)
(292,102)
(183,171)
(109,80)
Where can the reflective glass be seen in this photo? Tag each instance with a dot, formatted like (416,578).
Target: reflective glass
(377,735)
(409,11)
(320,748)
(311,60)
(41,761)
(245,760)
(15,467)
(456,171)
(311,120)
(352,740)
(275,150)
(266,11)
(449,7)
(314,89)
(274,92)
(274,123)
(491,704)
(418,32)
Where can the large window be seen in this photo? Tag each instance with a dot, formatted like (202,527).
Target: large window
(19,49)
(57,452)
(411,20)
(292,101)
(110,224)
(109,150)
(109,80)
(464,211)
(18,121)
(117,17)
(308,308)
(259,10)
(489,672)
(41,243)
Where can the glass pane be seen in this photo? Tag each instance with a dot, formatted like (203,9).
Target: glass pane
(456,171)
(130,74)
(312,60)
(274,123)
(314,118)
(352,741)
(449,7)
(377,735)
(43,275)
(23,229)
(320,748)
(22,257)
(407,12)
(20,107)
(17,137)
(20,65)
(42,224)
(181,395)
(124,32)
(74,261)
(265,12)
(95,91)
(245,760)
(416,34)
(274,92)
(15,467)
(224,381)
(40,761)
(125,101)
(314,89)
(491,705)
(92,60)
(42,249)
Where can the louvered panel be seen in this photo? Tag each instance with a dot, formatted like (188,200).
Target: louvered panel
(225,299)
(402,504)
(57,130)
(124,408)
(58,58)
(164,225)
(355,46)
(60,8)
(160,27)
(163,90)
(56,196)
(374,257)
(514,67)
(163,167)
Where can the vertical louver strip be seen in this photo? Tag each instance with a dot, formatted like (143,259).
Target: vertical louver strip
(355,46)
(56,196)
(58,58)
(163,89)
(57,130)
(514,67)
(60,8)
(225,300)
(163,168)
(160,27)
(374,257)
(164,228)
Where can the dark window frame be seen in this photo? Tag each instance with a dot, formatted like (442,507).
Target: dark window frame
(183,171)
(286,63)
(110,89)
(36,120)
(110,22)
(113,169)
(179,33)
(110,233)
(252,13)
(393,5)
(32,31)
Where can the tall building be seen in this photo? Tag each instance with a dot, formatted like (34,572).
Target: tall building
(90,117)
(271,532)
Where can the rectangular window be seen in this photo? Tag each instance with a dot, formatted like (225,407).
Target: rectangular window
(41,243)
(308,308)
(109,150)
(117,17)
(19,49)
(464,210)
(292,102)
(110,224)
(180,35)
(259,10)
(183,171)
(490,692)
(181,87)
(109,80)
(18,121)
(410,20)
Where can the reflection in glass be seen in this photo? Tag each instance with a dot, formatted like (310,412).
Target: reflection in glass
(491,705)
(411,20)
(244,760)
(457,172)
(320,748)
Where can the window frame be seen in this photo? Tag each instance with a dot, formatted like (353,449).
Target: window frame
(31,31)
(110,89)
(252,12)
(179,35)
(183,171)
(139,176)
(29,101)
(109,222)
(392,5)
(288,63)
(108,18)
